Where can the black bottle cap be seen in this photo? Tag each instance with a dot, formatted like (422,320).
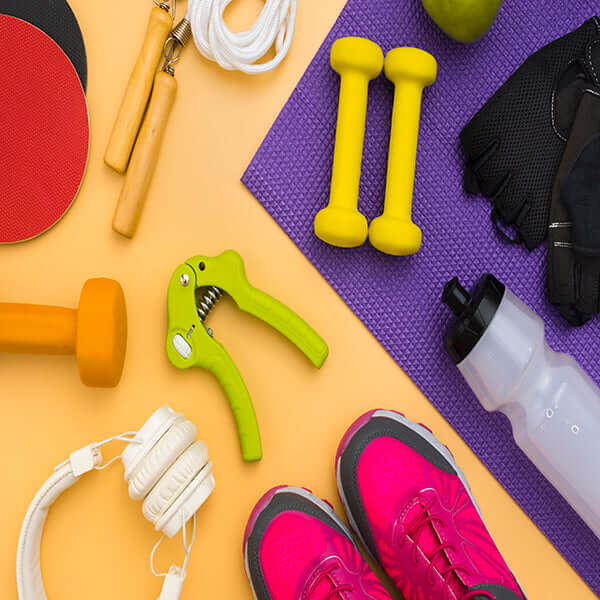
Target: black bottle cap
(475,312)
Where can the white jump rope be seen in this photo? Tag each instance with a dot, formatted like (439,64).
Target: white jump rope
(164,466)
(135,142)
(241,51)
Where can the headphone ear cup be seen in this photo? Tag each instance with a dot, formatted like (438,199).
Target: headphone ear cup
(174,481)
(185,506)
(160,457)
(145,439)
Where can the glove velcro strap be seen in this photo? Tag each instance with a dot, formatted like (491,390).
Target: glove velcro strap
(592,61)
(588,285)
(581,188)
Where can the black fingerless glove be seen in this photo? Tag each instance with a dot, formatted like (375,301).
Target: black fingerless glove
(514,144)
(574,232)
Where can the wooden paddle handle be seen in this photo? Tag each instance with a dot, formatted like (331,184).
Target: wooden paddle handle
(33,329)
(138,91)
(145,156)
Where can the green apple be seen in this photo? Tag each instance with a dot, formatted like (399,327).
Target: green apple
(464,20)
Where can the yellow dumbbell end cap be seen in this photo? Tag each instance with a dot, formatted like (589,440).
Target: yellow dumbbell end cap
(357,54)
(395,237)
(341,227)
(410,63)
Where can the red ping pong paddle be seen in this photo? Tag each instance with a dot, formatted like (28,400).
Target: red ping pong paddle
(56,18)
(44,132)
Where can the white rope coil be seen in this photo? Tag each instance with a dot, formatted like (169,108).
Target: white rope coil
(241,51)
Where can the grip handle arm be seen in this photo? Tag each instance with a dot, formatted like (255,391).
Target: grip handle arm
(222,366)
(287,322)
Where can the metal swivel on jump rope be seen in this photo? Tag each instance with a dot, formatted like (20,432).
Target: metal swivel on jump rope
(183,31)
(180,36)
(167,6)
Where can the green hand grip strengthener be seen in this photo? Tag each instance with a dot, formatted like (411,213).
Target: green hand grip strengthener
(194,289)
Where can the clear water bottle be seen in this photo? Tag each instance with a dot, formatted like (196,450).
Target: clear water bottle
(499,346)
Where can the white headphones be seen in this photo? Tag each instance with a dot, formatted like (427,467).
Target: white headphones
(164,466)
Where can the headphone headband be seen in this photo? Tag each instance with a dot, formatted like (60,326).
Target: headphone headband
(30,584)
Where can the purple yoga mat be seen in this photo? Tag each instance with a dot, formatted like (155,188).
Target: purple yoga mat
(398,299)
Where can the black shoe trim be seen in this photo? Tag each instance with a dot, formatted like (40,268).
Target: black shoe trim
(499,592)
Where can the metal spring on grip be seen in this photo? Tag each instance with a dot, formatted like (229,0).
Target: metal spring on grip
(206,298)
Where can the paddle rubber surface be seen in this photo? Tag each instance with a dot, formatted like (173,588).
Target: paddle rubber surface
(56,19)
(398,299)
(44,131)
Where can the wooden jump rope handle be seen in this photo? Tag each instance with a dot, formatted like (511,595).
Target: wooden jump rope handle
(33,329)
(145,156)
(138,91)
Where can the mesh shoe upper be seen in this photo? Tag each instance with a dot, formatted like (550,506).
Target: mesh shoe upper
(410,504)
(297,549)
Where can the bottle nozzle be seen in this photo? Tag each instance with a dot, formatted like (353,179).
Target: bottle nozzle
(456,297)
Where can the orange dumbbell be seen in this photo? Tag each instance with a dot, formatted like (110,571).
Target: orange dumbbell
(96,332)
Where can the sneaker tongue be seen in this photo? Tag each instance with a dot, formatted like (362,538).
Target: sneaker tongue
(322,582)
(322,590)
(428,539)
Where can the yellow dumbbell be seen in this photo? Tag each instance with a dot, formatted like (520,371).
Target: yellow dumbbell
(411,70)
(358,61)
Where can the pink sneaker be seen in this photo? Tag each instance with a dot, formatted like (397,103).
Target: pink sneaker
(296,548)
(412,508)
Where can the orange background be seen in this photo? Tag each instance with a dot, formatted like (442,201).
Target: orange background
(97,543)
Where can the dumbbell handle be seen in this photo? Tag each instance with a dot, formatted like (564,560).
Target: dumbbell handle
(403,150)
(34,329)
(350,133)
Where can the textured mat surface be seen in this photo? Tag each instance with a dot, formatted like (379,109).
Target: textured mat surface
(398,299)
